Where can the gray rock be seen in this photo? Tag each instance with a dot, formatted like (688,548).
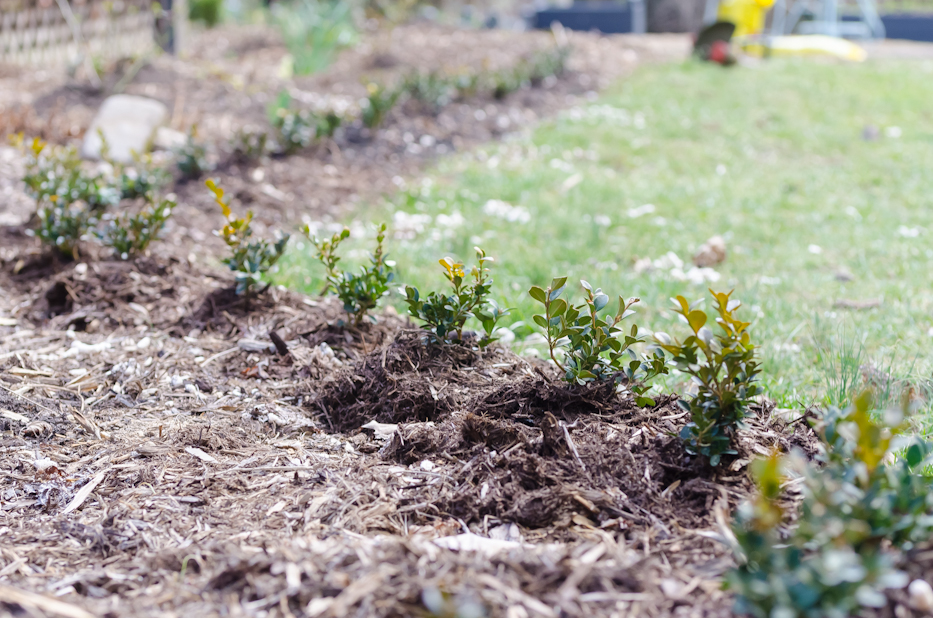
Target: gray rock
(168,139)
(128,123)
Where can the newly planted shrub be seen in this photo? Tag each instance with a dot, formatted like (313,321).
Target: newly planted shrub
(249,259)
(724,367)
(142,178)
(361,292)
(432,89)
(378,103)
(296,129)
(130,234)
(137,180)
(857,513)
(69,199)
(444,315)
(506,81)
(62,226)
(327,124)
(56,176)
(249,145)
(591,344)
(547,63)
(191,158)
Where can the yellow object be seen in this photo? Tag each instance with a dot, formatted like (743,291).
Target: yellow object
(807,45)
(747,15)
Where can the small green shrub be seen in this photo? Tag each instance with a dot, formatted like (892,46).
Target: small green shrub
(724,367)
(857,514)
(69,199)
(327,124)
(249,145)
(191,158)
(142,178)
(506,81)
(250,259)
(361,292)
(592,349)
(62,226)
(547,63)
(432,89)
(314,31)
(444,315)
(129,235)
(529,72)
(298,129)
(55,176)
(378,103)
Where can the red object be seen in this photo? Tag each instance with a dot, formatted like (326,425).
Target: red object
(719,52)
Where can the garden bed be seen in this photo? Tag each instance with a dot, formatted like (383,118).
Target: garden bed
(217,473)
(169,447)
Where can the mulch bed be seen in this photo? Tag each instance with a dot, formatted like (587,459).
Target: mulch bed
(170,458)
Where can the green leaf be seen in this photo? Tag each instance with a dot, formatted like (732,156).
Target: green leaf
(558,307)
(914,455)
(538,294)
(558,282)
(600,301)
(696,319)
(540,320)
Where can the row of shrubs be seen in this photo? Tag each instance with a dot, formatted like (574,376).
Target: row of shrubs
(73,203)
(294,128)
(584,342)
(298,128)
(865,499)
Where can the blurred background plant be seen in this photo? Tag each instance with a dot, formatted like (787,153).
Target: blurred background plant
(314,31)
(864,501)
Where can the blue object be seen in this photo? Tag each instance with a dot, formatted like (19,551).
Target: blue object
(606,17)
(910,26)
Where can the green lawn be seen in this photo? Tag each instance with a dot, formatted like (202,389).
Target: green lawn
(770,157)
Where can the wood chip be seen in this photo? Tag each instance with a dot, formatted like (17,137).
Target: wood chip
(31,600)
(196,452)
(22,371)
(84,492)
(13,416)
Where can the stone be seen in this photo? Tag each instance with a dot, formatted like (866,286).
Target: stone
(711,253)
(921,595)
(128,123)
(169,139)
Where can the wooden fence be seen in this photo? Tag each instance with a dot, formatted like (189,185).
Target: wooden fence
(53,32)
